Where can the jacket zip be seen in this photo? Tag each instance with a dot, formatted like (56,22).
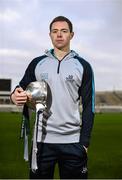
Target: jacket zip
(59,63)
(58,67)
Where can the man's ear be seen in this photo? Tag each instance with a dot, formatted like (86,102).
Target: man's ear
(72,34)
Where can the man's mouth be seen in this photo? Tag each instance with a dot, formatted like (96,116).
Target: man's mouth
(59,40)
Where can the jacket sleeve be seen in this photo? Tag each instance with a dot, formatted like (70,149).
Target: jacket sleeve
(29,75)
(87,94)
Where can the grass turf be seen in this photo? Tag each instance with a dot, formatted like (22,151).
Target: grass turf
(104,155)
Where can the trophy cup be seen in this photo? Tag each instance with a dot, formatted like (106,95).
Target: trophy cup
(39,94)
(39,99)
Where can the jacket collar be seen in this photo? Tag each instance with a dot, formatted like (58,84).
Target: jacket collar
(50,53)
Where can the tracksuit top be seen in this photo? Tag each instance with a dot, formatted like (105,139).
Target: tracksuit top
(71,81)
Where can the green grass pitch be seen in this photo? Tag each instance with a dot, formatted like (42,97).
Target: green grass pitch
(104,154)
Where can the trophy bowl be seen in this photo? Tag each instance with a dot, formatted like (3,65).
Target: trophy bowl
(39,92)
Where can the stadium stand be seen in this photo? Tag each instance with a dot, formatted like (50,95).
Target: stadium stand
(5,90)
(109,98)
(108,101)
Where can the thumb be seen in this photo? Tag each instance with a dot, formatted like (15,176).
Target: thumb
(19,89)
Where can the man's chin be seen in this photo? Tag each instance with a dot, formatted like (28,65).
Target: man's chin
(60,47)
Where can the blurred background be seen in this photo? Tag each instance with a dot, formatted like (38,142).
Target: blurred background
(24,35)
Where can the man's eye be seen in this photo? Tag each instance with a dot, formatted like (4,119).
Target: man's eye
(65,31)
(54,31)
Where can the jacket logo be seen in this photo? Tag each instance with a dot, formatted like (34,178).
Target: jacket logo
(44,76)
(70,78)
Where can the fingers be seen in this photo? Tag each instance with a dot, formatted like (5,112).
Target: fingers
(20,100)
(19,97)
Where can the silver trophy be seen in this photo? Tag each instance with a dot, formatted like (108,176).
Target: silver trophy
(39,99)
(39,93)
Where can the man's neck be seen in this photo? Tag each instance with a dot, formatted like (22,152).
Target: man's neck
(60,54)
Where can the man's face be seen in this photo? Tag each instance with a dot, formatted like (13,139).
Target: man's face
(60,34)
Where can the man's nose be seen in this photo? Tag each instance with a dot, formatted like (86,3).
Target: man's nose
(59,34)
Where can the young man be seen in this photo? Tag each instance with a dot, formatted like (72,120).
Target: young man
(71,80)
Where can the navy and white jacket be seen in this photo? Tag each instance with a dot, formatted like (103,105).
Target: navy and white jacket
(70,81)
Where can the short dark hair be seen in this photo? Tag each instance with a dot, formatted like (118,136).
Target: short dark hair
(62,18)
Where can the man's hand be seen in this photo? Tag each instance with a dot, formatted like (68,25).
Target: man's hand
(19,97)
